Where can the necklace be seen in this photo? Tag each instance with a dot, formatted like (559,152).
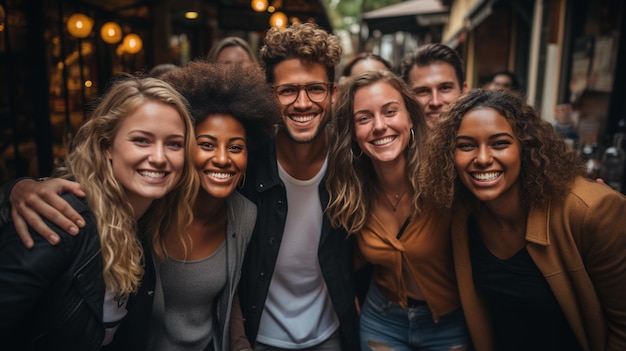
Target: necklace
(397,198)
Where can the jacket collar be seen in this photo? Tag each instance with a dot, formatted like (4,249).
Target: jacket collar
(538,226)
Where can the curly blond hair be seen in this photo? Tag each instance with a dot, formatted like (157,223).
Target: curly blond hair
(87,163)
(305,41)
(548,165)
(352,183)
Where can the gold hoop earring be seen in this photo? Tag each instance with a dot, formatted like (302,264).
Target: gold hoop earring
(412,138)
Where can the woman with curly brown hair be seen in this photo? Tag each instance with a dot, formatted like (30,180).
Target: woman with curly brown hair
(538,248)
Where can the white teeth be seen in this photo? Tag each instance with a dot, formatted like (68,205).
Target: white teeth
(302,119)
(219,175)
(383,141)
(151,174)
(486,176)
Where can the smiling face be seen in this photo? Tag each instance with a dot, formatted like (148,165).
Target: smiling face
(381,122)
(435,86)
(488,156)
(303,120)
(147,154)
(221,156)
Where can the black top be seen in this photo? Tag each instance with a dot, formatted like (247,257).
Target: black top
(524,312)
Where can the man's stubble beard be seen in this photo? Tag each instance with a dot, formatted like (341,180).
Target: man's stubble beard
(283,127)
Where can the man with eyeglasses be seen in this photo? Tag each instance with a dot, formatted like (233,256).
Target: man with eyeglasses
(296,289)
(297,283)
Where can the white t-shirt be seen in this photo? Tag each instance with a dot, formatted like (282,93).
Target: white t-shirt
(113,311)
(298,311)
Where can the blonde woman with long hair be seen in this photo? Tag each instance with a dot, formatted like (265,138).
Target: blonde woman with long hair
(133,161)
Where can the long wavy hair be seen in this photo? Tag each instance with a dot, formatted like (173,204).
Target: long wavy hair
(87,163)
(352,182)
(548,166)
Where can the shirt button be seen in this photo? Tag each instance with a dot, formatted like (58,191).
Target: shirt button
(271,241)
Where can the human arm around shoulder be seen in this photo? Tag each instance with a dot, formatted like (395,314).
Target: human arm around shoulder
(604,255)
(31,200)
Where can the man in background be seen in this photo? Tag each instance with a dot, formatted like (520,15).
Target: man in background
(435,74)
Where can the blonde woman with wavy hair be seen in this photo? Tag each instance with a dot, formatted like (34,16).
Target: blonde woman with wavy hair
(132,159)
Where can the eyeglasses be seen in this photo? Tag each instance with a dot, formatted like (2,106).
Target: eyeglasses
(288,93)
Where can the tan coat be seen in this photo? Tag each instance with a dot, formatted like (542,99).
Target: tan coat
(579,244)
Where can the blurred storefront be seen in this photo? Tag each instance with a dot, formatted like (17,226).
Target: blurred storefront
(394,30)
(57,55)
(563,51)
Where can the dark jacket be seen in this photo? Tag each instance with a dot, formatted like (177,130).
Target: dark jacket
(267,191)
(51,296)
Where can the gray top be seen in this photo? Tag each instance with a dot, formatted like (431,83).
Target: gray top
(241,219)
(184,317)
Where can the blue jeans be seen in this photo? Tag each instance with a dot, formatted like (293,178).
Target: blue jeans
(385,326)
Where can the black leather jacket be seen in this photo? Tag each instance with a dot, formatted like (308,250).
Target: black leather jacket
(267,191)
(51,296)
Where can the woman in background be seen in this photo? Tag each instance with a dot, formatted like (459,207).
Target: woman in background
(362,62)
(231,50)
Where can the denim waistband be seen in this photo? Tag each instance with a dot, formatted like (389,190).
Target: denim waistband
(414,303)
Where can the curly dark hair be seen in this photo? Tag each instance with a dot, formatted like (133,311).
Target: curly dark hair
(306,41)
(351,182)
(235,89)
(548,166)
